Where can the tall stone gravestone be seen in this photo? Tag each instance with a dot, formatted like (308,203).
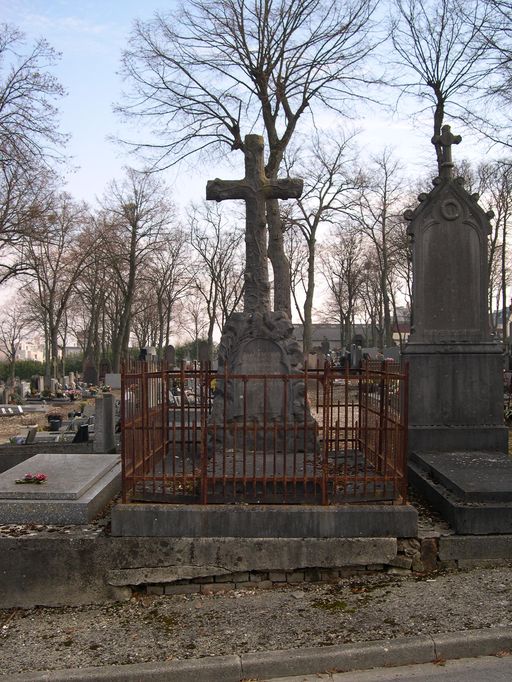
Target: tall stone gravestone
(456,388)
(90,373)
(257,341)
(170,356)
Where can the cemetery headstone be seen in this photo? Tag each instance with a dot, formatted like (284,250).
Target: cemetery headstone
(105,368)
(170,356)
(455,365)
(113,380)
(90,373)
(203,354)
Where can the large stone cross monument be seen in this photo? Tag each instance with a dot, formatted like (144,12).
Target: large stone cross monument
(258,341)
(255,188)
(456,388)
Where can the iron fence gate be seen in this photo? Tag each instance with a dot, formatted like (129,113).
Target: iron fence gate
(180,445)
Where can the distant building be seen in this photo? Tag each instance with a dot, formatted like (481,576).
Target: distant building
(32,349)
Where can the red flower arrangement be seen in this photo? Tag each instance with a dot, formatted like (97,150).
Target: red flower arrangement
(32,478)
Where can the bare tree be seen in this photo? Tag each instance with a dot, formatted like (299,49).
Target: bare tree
(13,328)
(380,215)
(495,185)
(29,138)
(442,55)
(204,76)
(329,195)
(219,272)
(137,217)
(170,276)
(56,260)
(342,264)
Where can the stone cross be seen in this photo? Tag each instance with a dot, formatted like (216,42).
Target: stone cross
(255,188)
(446,139)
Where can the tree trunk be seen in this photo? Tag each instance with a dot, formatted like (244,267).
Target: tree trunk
(308,303)
(280,264)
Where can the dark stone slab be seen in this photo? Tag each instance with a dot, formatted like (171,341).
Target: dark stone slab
(471,476)
(466,517)
(265,521)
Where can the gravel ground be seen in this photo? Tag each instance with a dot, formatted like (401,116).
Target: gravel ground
(159,628)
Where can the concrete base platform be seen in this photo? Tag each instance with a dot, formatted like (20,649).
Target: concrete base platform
(76,490)
(471,490)
(264,521)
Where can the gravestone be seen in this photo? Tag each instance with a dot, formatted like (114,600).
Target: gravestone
(90,373)
(170,356)
(458,443)
(203,352)
(113,380)
(258,341)
(456,366)
(105,368)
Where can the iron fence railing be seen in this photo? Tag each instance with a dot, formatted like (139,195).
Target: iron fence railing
(191,435)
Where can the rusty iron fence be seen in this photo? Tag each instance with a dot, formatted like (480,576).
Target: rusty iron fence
(324,436)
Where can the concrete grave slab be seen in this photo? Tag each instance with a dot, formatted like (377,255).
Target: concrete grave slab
(69,476)
(77,488)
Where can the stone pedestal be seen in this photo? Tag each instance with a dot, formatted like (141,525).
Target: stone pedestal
(257,398)
(456,397)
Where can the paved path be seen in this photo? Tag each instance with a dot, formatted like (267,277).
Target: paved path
(489,668)
(495,644)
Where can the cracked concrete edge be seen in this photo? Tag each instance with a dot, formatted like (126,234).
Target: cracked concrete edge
(291,662)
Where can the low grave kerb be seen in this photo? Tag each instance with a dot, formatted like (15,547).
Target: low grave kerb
(78,486)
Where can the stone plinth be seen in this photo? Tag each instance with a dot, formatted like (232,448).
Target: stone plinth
(257,399)
(456,397)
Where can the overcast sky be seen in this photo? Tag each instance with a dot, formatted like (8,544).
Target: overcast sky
(91,35)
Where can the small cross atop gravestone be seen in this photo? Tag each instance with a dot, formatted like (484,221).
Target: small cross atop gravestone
(445,140)
(255,188)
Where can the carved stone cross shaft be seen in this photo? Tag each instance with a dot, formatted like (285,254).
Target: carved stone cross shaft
(255,188)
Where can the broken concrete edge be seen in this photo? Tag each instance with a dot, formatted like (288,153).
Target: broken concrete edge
(96,569)
(78,570)
(290,662)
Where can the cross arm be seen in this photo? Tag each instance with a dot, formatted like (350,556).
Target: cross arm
(219,190)
(290,188)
